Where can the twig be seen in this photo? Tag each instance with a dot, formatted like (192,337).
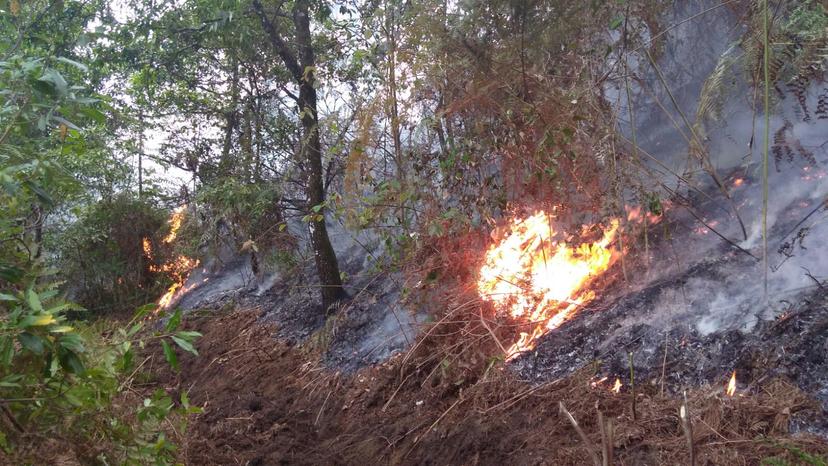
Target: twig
(494,337)
(822,204)
(323,407)
(703,156)
(590,448)
(632,387)
(387,403)
(606,439)
(687,425)
(664,364)
(432,426)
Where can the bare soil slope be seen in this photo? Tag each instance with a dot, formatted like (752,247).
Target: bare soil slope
(266,402)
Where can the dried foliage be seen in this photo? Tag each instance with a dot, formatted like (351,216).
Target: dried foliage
(403,412)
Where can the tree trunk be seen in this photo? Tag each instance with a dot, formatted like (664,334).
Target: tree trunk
(310,150)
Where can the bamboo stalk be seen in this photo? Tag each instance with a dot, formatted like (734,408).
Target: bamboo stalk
(765,143)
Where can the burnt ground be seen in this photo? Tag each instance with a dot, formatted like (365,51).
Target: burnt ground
(267,401)
(792,345)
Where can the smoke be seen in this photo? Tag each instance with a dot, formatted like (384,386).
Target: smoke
(714,286)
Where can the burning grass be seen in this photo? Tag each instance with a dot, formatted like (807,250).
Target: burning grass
(540,279)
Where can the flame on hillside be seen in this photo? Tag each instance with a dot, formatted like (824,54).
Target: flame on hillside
(731,385)
(539,280)
(175,221)
(179,268)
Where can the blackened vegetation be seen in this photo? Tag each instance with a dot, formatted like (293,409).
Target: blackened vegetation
(786,146)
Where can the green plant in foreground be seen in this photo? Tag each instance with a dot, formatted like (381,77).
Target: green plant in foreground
(64,380)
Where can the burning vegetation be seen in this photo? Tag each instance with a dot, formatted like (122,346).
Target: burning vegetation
(179,267)
(539,278)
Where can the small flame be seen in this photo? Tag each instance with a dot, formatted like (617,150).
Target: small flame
(176,220)
(147,247)
(636,214)
(540,280)
(617,387)
(731,386)
(738,182)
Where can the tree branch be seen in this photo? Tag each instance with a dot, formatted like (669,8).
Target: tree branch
(279,43)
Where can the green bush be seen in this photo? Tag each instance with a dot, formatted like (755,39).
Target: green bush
(102,255)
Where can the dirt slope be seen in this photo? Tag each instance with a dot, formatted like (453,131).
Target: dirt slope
(266,402)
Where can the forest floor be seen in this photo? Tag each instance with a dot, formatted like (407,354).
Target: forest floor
(267,401)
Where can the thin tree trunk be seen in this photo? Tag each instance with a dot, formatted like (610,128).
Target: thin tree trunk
(310,151)
(231,117)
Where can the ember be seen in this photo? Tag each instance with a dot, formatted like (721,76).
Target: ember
(539,280)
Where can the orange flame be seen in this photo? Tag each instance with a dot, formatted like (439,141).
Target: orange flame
(179,268)
(540,280)
(147,247)
(635,214)
(731,386)
(617,387)
(176,219)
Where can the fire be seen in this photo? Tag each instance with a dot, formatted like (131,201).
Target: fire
(635,214)
(738,182)
(147,247)
(617,387)
(731,386)
(179,268)
(540,280)
(175,223)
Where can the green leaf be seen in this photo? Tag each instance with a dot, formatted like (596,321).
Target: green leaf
(33,300)
(31,342)
(77,65)
(94,115)
(10,273)
(144,310)
(70,361)
(53,77)
(11,381)
(174,321)
(72,341)
(7,297)
(184,344)
(6,351)
(616,22)
(169,354)
(38,320)
(41,194)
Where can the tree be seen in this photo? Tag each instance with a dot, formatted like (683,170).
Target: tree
(302,66)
